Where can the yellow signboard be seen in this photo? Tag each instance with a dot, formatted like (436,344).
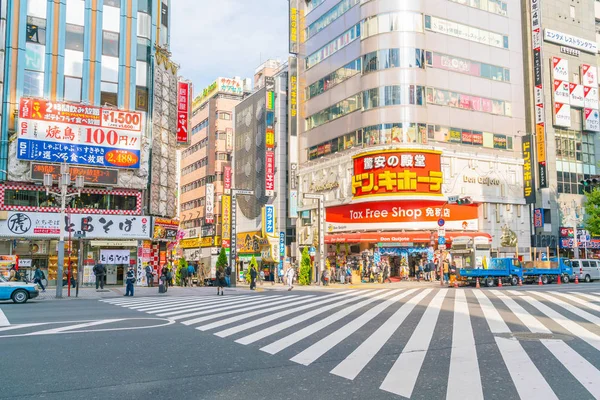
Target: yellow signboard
(190,243)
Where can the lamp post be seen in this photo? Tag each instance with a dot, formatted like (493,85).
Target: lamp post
(321,205)
(233,241)
(64,182)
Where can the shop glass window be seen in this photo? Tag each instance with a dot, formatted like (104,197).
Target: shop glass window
(36,30)
(110,44)
(74,37)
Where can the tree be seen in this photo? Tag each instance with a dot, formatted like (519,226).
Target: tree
(592,211)
(182,264)
(222,260)
(253,264)
(305,268)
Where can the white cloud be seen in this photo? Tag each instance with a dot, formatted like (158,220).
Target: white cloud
(211,38)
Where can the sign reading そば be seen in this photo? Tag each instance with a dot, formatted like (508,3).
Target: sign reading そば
(397,172)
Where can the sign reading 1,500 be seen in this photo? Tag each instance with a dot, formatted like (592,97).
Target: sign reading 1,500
(121,119)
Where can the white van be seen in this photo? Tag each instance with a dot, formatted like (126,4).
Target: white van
(587,270)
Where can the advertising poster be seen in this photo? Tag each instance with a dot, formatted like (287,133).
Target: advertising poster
(561,92)
(590,95)
(576,98)
(589,75)
(538,218)
(562,115)
(591,120)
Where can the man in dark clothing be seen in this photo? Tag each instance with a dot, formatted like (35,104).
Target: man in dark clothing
(99,272)
(252,278)
(38,276)
(228,276)
(149,276)
(130,280)
(183,276)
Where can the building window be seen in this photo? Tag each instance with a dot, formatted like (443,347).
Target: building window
(144,6)
(35,57)
(326,19)
(36,30)
(113,3)
(108,98)
(334,46)
(110,44)
(402,21)
(37,8)
(344,107)
(468,67)
(144,25)
(72,89)
(74,37)
(472,34)
(33,84)
(494,6)
(164,15)
(448,98)
(336,77)
(224,115)
(141,98)
(143,49)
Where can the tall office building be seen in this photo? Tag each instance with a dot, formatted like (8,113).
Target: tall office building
(403,106)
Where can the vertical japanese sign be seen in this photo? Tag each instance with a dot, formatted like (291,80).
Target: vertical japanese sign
(528,174)
(227,179)
(538,218)
(269,221)
(184,90)
(538,92)
(226,220)
(209,214)
(293,136)
(233,234)
(270,173)
(229,139)
(294,31)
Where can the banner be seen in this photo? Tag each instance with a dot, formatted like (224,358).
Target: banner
(78,134)
(269,221)
(184,93)
(528,172)
(227,179)
(117,257)
(270,173)
(209,207)
(538,91)
(538,218)
(165,229)
(294,28)
(226,220)
(92,176)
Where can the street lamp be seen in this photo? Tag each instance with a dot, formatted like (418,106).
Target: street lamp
(233,241)
(321,205)
(64,182)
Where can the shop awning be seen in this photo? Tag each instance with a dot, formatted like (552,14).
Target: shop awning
(397,237)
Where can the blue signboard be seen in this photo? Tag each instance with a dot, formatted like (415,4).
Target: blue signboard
(441,240)
(282,244)
(270,219)
(39,150)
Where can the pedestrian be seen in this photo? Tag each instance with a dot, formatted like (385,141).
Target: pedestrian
(99,271)
(228,276)
(290,277)
(170,275)
(183,275)
(38,276)
(386,273)
(164,276)
(149,276)
(427,271)
(326,277)
(14,275)
(252,277)
(261,276)
(220,281)
(191,271)
(420,271)
(446,269)
(130,280)
(432,273)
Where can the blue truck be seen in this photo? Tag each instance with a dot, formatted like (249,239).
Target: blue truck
(508,270)
(548,271)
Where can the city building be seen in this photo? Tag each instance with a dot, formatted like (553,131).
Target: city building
(79,94)
(404,106)
(206,168)
(563,118)
(264,224)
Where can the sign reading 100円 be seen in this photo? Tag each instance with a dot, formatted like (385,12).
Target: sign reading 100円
(78,134)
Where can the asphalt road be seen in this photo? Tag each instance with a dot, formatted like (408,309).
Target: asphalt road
(378,344)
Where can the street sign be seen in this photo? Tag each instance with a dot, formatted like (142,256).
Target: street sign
(441,240)
(452,199)
(312,252)
(582,238)
(587,238)
(441,222)
(244,192)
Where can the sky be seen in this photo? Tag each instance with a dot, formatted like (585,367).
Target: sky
(212,38)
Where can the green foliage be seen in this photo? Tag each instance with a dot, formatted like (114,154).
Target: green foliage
(253,264)
(222,260)
(592,211)
(181,264)
(305,268)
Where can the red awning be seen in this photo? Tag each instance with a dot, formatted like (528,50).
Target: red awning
(396,237)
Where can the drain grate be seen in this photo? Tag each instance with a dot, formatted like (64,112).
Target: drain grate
(532,337)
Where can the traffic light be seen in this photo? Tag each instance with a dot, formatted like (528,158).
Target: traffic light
(464,201)
(590,182)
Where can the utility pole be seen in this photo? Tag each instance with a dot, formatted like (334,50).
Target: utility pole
(321,206)
(233,241)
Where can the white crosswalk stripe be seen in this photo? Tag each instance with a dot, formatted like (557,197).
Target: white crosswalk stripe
(309,326)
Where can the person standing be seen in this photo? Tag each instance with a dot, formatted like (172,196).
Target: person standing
(130,280)
(446,269)
(220,280)
(252,278)
(149,276)
(164,276)
(191,271)
(261,276)
(38,276)
(290,277)
(183,276)
(99,271)
(228,276)
(386,273)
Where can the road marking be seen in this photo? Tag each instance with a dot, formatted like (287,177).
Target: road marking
(76,326)
(315,351)
(577,300)
(296,320)
(231,320)
(3,319)
(464,380)
(402,377)
(297,336)
(147,300)
(577,311)
(359,358)
(225,305)
(257,322)
(155,309)
(19,326)
(587,296)
(527,378)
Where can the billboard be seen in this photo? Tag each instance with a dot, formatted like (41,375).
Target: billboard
(209,214)
(92,176)
(226,220)
(270,173)
(165,229)
(221,85)
(528,172)
(538,90)
(78,134)
(184,93)
(294,28)
(269,222)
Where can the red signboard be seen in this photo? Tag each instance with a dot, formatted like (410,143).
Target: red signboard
(183,112)
(397,172)
(270,173)
(227,177)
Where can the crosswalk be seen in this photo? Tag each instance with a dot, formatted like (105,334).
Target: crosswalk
(538,344)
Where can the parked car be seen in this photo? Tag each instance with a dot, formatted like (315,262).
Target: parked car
(19,292)
(586,270)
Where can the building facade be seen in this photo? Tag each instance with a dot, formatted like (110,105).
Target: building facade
(404,105)
(79,92)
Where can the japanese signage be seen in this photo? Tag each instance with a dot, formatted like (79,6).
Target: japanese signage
(190,243)
(270,173)
(184,92)
(293,95)
(78,134)
(561,92)
(226,219)
(590,97)
(269,221)
(538,92)
(117,257)
(294,31)
(281,244)
(227,179)
(412,215)
(233,234)
(576,95)
(528,172)
(293,204)
(270,101)
(165,229)
(589,75)
(538,218)
(229,139)
(562,115)
(397,172)
(569,51)
(93,176)
(221,85)
(48,225)
(591,120)
(560,69)
(571,41)
(209,214)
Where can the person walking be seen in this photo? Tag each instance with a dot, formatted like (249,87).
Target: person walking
(191,271)
(38,276)
(261,276)
(386,273)
(228,276)
(130,280)
(446,269)
(99,271)
(149,276)
(220,281)
(252,278)
(164,276)
(183,276)
(290,277)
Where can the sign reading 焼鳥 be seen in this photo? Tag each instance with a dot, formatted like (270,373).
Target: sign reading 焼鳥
(401,172)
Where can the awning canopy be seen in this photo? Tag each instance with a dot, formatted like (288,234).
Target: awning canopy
(397,237)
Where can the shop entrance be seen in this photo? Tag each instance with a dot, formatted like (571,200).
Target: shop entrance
(403,261)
